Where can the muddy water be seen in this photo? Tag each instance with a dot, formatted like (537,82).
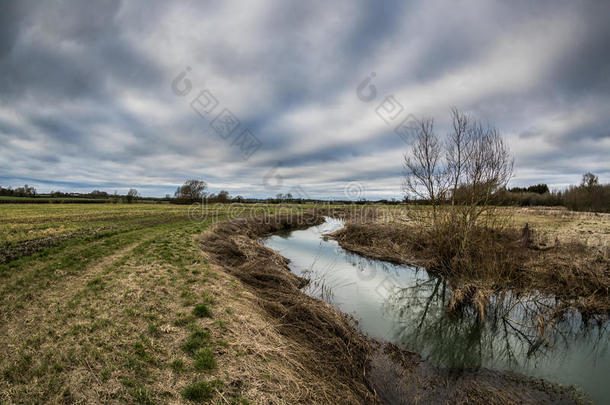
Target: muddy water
(406,305)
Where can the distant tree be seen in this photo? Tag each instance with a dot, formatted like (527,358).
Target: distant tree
(589,181)
(132,194)
(589,196)
(168,197)
(539,189)
(98,194)
(223,196)
(25,191)
(191,191)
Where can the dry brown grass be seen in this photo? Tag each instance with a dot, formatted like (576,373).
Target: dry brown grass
(112,329)
(575,271)
(330,356)
(105,321)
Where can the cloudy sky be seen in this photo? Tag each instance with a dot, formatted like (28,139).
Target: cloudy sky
(91,94)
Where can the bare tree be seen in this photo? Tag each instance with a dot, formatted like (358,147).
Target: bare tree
(471,165)
(488,169)
(458,176)
(459,149)
(425,177)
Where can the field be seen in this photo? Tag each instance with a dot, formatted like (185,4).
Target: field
(47,200)
(590,228)
(122,308)
(118,303)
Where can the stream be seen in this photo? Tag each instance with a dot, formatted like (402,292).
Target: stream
(407,306)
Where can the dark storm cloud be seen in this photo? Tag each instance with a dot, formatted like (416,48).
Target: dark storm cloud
(68,49)
(585,68)
(9,25)
(86,100)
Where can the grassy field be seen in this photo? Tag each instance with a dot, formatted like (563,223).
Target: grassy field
(117,303)
(11,199)
(125,309)
(592,229)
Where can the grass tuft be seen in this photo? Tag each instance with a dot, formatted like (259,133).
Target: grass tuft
(204,360)
(177,365)
(198,392)
(196,341)
(202,311)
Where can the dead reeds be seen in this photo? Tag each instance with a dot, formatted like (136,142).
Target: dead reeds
(325,341)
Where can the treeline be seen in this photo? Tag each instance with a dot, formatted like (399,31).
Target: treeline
(590,195)
(29,194)
(25,191)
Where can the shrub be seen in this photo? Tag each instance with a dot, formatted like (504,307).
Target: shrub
(588,198)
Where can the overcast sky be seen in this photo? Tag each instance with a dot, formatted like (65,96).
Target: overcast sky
(87,101)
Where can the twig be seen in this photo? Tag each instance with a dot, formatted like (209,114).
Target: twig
(221,396)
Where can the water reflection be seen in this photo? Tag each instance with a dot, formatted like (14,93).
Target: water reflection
(518,332)
(407,306)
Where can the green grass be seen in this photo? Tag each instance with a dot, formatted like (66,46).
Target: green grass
(204,360)
(178,366)
(198,392)
(106,300)
(202,311)
(195,341)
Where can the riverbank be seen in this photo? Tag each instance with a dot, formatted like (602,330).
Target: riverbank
(321,345)
(338,364)
(549,258)
(131,305)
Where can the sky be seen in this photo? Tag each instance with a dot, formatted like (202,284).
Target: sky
(267,97)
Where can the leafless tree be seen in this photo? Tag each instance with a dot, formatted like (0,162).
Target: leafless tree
(488,169)
(459,149)
(589,180)
(470,166)
(425,177)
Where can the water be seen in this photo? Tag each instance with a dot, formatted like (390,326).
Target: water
(406,305)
